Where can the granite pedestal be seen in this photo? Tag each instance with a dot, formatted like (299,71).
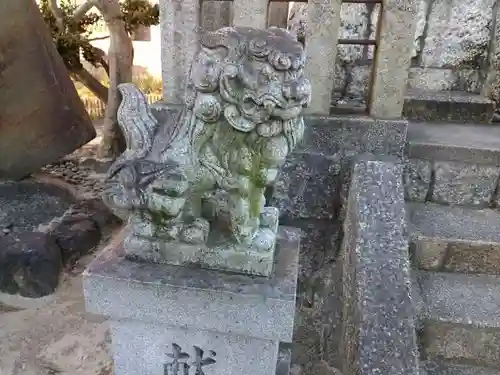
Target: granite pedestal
(176,320)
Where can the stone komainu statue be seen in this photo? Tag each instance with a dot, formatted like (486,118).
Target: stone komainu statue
(193,186)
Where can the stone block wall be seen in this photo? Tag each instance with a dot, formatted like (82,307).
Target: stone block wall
(452,182)
(311,188)
(453,42)
(453,46)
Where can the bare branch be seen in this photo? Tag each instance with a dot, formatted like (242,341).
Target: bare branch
(58,14)
(98,38)
(82,10)
(89,81)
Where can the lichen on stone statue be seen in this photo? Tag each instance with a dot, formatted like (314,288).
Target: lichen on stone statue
(192,188)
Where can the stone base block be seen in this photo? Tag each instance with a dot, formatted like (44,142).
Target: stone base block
(179,320)
(151,349)
(255,258)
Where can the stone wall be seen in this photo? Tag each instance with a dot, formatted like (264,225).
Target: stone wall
(452,182)
(378,336)
(452,46)
(311,192)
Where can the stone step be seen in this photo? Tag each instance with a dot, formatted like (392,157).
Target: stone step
(478,144)
(460,318)
(457,106)
(454,239)
(433,368)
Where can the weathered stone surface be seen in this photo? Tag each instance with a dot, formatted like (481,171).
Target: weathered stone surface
(392,61)
(455,239)
(277,14)
(379,317)
(346,136)
(216,14)
(250,13)
(449,44)
(358,21)
(322,51)
(454,223)
(464,184)
(352,68)
(457,106)
(439,368)
(417,179)
(179,21)
(240,318)
(473,257)
(26,205)
(307,187)
(461,318)
(42,117)
(453,29)
(444,79)
(30,263)
(479,144)
(193,187)
(480,346)
(318,326)
(76,235)
(428,253)
(319,245)
(96,210)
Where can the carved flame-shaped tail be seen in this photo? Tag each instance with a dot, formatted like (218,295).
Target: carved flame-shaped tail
(137,124)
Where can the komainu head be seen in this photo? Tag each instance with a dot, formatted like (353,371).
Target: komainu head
(254,78)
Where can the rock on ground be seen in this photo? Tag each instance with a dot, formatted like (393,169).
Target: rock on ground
(58,338)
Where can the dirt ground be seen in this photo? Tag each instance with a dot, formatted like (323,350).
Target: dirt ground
(56,338)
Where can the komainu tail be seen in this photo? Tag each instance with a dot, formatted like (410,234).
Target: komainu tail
(137,124)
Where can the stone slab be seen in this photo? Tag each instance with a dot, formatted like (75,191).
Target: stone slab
(42,117)
(348,136)
(444,79)
(457,106)
(468,300)
(464,184)
(454,239)
(379,315)
(475,144)
(227,303)
(436,368)
(461,321)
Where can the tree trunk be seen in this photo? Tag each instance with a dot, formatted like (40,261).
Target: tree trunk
(120,57)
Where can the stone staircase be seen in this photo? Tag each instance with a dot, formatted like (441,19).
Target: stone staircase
(451,180)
